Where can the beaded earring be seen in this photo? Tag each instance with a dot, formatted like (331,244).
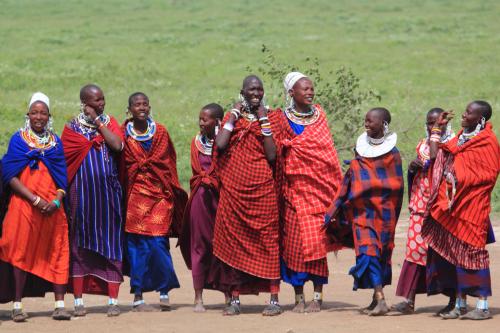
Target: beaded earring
(49,127)
(27,125)
(483,122)
(386,128)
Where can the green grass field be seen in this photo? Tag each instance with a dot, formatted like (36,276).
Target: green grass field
(184,54)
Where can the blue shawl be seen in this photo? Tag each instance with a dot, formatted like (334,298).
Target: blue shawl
(19,155)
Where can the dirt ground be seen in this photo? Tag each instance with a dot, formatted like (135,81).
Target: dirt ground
(340,313)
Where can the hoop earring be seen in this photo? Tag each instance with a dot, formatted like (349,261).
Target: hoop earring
(386,128)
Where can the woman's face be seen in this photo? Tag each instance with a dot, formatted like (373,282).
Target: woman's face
(253,92)
(207,123)
(303,92)
(95,99)
(374,125)
(38,115)
(471,117)
(140,109)
(431,120)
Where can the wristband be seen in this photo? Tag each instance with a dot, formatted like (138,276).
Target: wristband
(263,118)
(36,201)
(57,203)
(101,126)
(62,191)
(228,126)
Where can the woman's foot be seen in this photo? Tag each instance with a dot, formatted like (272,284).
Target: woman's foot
(198,307)
(165,304)
(314,306)
(79,311)
(370,307)
(233,309)
(299,307)
(447,308)
(113,310)
(380,309)
(404,307)
(454,314)
(477,314)
(273,309)
(19,316)
(61,314)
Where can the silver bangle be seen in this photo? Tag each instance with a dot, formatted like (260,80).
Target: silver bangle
(228,126)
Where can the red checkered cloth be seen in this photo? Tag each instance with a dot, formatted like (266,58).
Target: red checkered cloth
(312,177)
(147,176)
(368,204)
(246,235)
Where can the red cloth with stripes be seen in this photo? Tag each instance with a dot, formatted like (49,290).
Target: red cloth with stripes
(312,177)
(155,199)
(76,146)
(246,235)
(200,177)
(476,165)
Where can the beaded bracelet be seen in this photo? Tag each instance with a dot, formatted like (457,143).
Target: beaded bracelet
(228,126)
(263,118)
(435,138)
(57,203)
(36,201)
(62,191)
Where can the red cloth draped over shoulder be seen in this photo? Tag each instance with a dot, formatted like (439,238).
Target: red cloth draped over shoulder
(199,178)
(160,161)
(313,175)
(246,231)
(76,146)
(476,165)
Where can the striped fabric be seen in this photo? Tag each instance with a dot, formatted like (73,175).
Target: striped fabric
(476,165)
(98,218)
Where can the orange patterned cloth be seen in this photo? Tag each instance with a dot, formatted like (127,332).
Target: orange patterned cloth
(31,241)
(155,200)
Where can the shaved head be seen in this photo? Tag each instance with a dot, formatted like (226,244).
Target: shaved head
(249,79)
(87,90)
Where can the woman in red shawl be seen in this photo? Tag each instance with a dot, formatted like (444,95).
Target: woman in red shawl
(312,177)
(246,234)
(464,174)
(199,217)
(154,203)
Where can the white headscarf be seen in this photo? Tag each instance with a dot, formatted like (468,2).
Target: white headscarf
(290,80)
(39,97)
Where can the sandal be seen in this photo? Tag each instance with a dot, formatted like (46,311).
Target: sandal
(61,314)
(404,308)
(113,310)
(232,310)
(79,311)
(273,309)
(19,316)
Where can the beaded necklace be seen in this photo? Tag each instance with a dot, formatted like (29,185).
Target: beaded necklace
(44,141)
(375,142)
(302,118)
(204,144)
(464,137)
(87,125)
(147,135)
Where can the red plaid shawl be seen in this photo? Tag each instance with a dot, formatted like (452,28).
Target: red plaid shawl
(312,177)
(368,205)
(76,146)
(159,164)
(476,165)
(246,226)
(200,178)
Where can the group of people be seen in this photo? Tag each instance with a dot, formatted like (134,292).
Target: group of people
(267,202)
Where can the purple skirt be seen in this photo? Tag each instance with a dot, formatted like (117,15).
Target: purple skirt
(411,280)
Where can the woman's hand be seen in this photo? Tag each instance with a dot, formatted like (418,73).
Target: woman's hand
(90,112)
(46,207)
(444,118)
(415,165)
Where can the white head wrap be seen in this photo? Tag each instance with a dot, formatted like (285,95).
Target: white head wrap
(292,78)
(39,97)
